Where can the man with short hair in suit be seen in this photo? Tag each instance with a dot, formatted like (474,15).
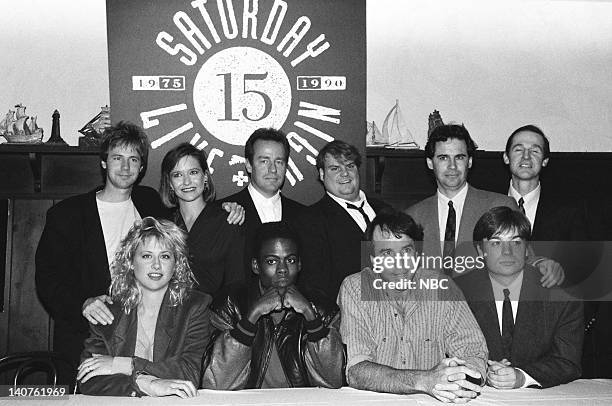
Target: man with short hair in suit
(335,225)
(449,216)
(81,236)
(534,338)
(266,153)
(527,153)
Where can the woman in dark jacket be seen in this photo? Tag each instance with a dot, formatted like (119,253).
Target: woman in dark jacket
(161,326)
(216,247)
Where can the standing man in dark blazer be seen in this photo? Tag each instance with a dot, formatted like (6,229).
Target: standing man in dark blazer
(335,225)
(534,338)
(449,216)
(81,236)
(552,219)
(266,153)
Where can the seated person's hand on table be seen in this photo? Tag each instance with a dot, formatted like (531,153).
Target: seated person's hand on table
(502,375)
(448,381)
(95,310)
(154,386)
(96,366)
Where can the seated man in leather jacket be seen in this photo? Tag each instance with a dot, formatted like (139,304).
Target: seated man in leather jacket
(268,334)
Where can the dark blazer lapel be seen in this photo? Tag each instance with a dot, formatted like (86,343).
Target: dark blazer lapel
(530,315)
(123,337)
(431,245)
(249,206)
(542,211)
(334,210)
(94,241)
(483,306)
(164,329)
(469,215)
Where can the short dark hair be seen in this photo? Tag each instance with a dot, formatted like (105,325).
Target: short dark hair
(534,129)
(272,231)
(265,134)
(169,162)
(398,223)
(499,220)
(445,132)
(127,135)
(339,150)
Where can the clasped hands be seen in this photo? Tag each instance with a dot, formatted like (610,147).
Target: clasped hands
(449,381)
(277,299)
(501,375)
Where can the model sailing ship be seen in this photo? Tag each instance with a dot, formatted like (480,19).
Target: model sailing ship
(17,127)
(395,132)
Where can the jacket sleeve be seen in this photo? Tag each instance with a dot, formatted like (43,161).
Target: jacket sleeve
(55,271)
(462,334)
(562,363)
(324,356)
(186,362)
(227,362)
(105,385)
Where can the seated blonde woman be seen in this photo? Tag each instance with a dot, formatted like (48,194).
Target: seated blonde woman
(161,325)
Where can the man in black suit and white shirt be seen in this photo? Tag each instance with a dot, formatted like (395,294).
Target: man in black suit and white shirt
(527,154)
(335,225)
(266,153)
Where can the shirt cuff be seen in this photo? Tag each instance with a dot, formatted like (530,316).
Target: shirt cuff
(244,332)
(122,365)
(529,381)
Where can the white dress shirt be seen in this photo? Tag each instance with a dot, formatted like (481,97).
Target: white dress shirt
(355,213)
(515,294)
(458,202)
(530,201)
(269,209)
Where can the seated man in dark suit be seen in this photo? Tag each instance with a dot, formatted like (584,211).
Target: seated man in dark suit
(335,225)
(266,153)
(268,333)
(533,339)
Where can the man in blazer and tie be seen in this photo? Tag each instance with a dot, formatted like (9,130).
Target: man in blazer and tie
(266,153)
(334,227)
(534,336)
(552,219)
(449,216)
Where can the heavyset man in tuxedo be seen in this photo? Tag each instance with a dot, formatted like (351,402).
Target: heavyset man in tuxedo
(335,225)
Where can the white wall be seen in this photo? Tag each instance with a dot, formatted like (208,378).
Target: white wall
(54,56)
(493,65)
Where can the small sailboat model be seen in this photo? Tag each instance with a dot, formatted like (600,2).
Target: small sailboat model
(17,127)
(374,137)
(396,131)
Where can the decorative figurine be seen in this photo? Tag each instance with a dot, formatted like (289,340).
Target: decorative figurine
(17,127)
(56,138)
(435,120)
(93,130)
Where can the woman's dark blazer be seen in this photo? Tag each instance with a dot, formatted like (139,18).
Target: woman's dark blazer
(181,335)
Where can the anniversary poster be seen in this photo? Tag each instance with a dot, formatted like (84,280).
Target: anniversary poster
(212,72)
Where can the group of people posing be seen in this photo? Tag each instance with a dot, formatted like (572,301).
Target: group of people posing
(162,296)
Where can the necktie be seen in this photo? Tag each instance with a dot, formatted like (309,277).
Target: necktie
(521,203)
(507,325)
(360,210)
(449,233)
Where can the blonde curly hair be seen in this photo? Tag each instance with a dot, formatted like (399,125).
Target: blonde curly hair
(123,288)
